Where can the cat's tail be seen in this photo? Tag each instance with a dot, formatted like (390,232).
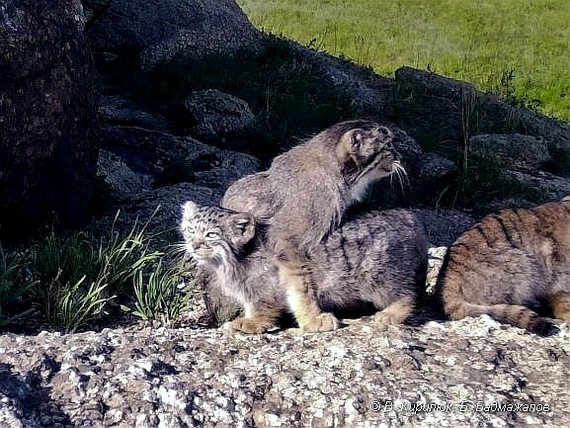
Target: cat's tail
(518,316)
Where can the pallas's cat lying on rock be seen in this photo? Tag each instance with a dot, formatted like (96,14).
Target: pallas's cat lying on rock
(376,260)
(511,266)
(304,195)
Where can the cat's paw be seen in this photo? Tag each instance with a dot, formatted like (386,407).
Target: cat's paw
(322,322)
(395,313)
(385,318)
(248,325)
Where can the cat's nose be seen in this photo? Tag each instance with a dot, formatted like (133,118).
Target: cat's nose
(197,243)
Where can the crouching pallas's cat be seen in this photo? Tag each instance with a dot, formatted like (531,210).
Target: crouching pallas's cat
(512,266)
(377,260)
(304,195)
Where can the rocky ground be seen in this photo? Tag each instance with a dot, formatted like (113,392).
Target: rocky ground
(473,372)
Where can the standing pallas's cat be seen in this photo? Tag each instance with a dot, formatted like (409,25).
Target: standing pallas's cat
(509,266)
(304,195)
(377,260)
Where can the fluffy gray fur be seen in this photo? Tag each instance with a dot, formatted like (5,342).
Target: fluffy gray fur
(306,191)
(375,261)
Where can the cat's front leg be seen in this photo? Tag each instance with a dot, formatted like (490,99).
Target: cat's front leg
(302,301)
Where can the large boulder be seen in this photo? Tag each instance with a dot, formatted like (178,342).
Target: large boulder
(444,113)
(47,111)
(157,30)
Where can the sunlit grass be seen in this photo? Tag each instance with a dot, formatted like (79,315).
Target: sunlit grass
(479,42)
(73,278)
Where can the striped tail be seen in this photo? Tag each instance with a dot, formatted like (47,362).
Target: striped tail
(518,316)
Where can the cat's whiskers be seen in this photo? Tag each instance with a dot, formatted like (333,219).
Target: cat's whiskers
(177,248)
(399,172)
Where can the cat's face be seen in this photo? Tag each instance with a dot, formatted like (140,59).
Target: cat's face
(213,234)
(368,154)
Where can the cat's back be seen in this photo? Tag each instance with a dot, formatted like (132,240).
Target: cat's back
(375,243)
(539,230)
(251,194)
(381,227)
(512,265)
(287,184)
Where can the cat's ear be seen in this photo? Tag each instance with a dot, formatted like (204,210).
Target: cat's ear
(244,226)
(348,145)
(356,138)
(351,140)
(385,134)
(189,210)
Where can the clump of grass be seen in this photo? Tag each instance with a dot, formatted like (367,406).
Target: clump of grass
(159,295)
(483,179)
(70,285)
(68,306)
(123,256)
(74,278)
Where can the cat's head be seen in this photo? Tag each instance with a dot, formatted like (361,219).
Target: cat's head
(366,153)
(214,234)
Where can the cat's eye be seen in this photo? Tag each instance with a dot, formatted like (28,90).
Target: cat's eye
(212,235)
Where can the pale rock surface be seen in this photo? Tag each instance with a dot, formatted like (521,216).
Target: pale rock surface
(357,376)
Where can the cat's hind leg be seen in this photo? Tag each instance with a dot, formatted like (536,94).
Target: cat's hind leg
(396,312)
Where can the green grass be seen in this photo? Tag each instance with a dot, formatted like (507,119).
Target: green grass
(70,279)
(14,284)
(480,42)
(483,178)
(158,296)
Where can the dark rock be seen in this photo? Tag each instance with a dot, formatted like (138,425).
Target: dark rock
(444,113)
(169,160)
(368,92)
(47,113)
(118,181)
(117,110)
(214,115)
(512,150)
(152,31)
(443,227)
(550,186)
(433,167)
